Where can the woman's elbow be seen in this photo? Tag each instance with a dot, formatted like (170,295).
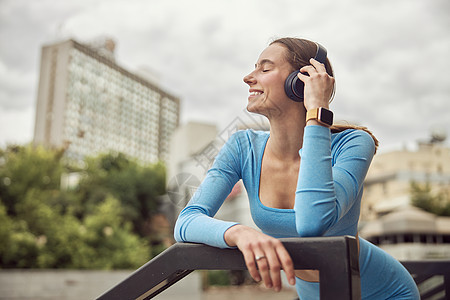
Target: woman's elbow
(177,236)
(177,231)
(310,229)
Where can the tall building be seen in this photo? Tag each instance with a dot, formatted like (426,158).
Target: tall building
(88,104)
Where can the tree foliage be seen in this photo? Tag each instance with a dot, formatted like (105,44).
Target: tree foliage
(436,202)
(138,187)
(25,168)
(96,223)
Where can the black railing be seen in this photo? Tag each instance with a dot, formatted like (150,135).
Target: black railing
(336,258)
(432,277)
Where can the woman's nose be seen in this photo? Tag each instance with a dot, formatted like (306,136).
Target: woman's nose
(249,79)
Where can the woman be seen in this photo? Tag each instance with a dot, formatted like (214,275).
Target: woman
(304,178)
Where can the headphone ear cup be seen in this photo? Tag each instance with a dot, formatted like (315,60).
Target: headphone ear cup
(294,87)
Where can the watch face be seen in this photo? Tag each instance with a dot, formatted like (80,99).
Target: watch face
(326,116)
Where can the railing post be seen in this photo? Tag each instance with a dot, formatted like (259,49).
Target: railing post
(338,264)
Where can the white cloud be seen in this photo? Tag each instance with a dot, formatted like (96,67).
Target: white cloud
(16,127)
(16,88)
(391,58)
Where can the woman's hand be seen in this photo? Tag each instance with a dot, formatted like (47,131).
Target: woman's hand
(318,85)
(262,252)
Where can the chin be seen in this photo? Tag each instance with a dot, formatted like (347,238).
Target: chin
(253,108)
(262,109)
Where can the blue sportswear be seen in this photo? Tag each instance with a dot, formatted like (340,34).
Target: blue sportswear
(327,203)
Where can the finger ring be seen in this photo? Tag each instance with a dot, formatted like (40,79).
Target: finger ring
(259,257)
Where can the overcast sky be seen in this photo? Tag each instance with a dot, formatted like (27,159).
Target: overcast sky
(391,58)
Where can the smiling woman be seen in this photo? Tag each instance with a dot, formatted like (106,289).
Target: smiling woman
(304,178)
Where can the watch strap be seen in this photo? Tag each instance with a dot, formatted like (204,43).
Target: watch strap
(318,115)
(312,114)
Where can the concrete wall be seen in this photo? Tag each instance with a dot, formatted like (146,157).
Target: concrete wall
(80,284)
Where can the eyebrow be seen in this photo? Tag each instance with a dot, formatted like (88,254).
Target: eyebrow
(263,62)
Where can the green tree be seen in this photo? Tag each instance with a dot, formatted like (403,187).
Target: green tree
(100,241)
(18,248)
(436,202)
(25,167)
(137,187)
(94,225)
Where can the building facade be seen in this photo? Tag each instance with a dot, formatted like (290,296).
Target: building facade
(388,182)
(409,233)
(389,219)
(88,104)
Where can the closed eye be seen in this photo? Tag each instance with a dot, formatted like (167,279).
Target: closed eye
(263,64)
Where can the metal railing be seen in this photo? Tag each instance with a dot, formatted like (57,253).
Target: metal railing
(335,257)
(431,276)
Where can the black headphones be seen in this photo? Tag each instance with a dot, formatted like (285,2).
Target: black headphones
(293,86)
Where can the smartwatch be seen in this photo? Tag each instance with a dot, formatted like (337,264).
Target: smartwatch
(321,114)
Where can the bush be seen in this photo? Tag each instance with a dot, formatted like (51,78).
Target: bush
(218,278)
(95,225)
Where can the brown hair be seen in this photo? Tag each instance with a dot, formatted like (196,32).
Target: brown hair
(300,51)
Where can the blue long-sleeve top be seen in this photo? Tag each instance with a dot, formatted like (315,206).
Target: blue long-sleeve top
(327,203)
(327,198)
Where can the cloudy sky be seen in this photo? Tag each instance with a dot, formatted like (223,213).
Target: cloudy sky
(391,58)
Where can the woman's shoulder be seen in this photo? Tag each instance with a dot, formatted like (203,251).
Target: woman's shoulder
(351,138)
(349,132)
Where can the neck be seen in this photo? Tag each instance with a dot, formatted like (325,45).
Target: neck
(286,136)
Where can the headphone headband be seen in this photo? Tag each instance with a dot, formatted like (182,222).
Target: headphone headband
(321,54)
